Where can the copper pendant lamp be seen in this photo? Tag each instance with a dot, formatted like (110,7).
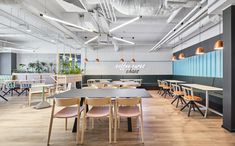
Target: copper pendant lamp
(97,60)
(181,56)
(86,60)
(133,60)
(121,60)
(219,45)
(173,58)
(200,51)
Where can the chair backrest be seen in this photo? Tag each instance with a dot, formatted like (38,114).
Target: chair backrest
(10,84)
(98,101)
(36,87)
(187,91)
(165,83)
(128,101)
(159,82)
(67,101)
(25,84)
(175,87)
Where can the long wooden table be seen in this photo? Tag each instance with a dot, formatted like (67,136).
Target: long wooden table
(206,89)
(101,93)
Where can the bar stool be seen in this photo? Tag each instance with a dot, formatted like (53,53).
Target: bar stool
(192,99)
(177,94)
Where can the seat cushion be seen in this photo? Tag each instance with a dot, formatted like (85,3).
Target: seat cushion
(178,93)
(128,111)
(193,98)
(96,112)
(68,112)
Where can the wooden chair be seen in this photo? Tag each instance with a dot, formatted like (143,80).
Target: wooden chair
(100,107)
(177,95)
(160,86)
(192,99)
(35,91)
(128,107)
(71,110)
(166,89)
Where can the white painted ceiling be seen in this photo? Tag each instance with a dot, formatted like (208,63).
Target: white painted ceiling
(16,16)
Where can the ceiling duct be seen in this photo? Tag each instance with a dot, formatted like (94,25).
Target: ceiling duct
(77,3)
(150,7)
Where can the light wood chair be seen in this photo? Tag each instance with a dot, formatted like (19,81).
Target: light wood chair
(100,107)
(71,110)
(128,107)
(34,90)
(177,95)
(192,99)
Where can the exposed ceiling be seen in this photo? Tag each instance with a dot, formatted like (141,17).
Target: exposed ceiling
(23,27)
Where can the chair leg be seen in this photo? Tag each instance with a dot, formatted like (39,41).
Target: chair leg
(174,99)
(177,102)
(29,102)
(141,128)
(110,128)
(92,123)
(83,127)
(185,106)
(51,122)
(199,109)
(190,107)
(78,126)
(115,126)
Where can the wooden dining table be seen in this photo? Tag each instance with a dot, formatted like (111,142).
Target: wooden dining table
(101,93)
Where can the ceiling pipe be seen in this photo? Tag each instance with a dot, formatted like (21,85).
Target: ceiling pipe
(181,24)
(109,10)
(56,25)
(113,12)
(102,8)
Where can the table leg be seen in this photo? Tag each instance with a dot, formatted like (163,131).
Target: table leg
(207,104)
(75,126)
(43,103)
(129,124)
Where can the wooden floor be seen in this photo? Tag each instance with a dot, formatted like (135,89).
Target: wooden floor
(164,125)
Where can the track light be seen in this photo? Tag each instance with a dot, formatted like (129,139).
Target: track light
(66,23)
(126,23)
(122,40)
(92,39)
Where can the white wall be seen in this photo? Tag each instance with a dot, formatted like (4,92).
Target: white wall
(33,57)
(155,63)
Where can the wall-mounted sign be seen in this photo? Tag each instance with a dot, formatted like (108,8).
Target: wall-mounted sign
(130,67)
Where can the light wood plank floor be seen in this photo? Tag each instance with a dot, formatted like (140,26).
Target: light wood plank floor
(164,125)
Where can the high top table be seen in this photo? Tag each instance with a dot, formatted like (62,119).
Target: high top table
(101,93)
(206,89)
